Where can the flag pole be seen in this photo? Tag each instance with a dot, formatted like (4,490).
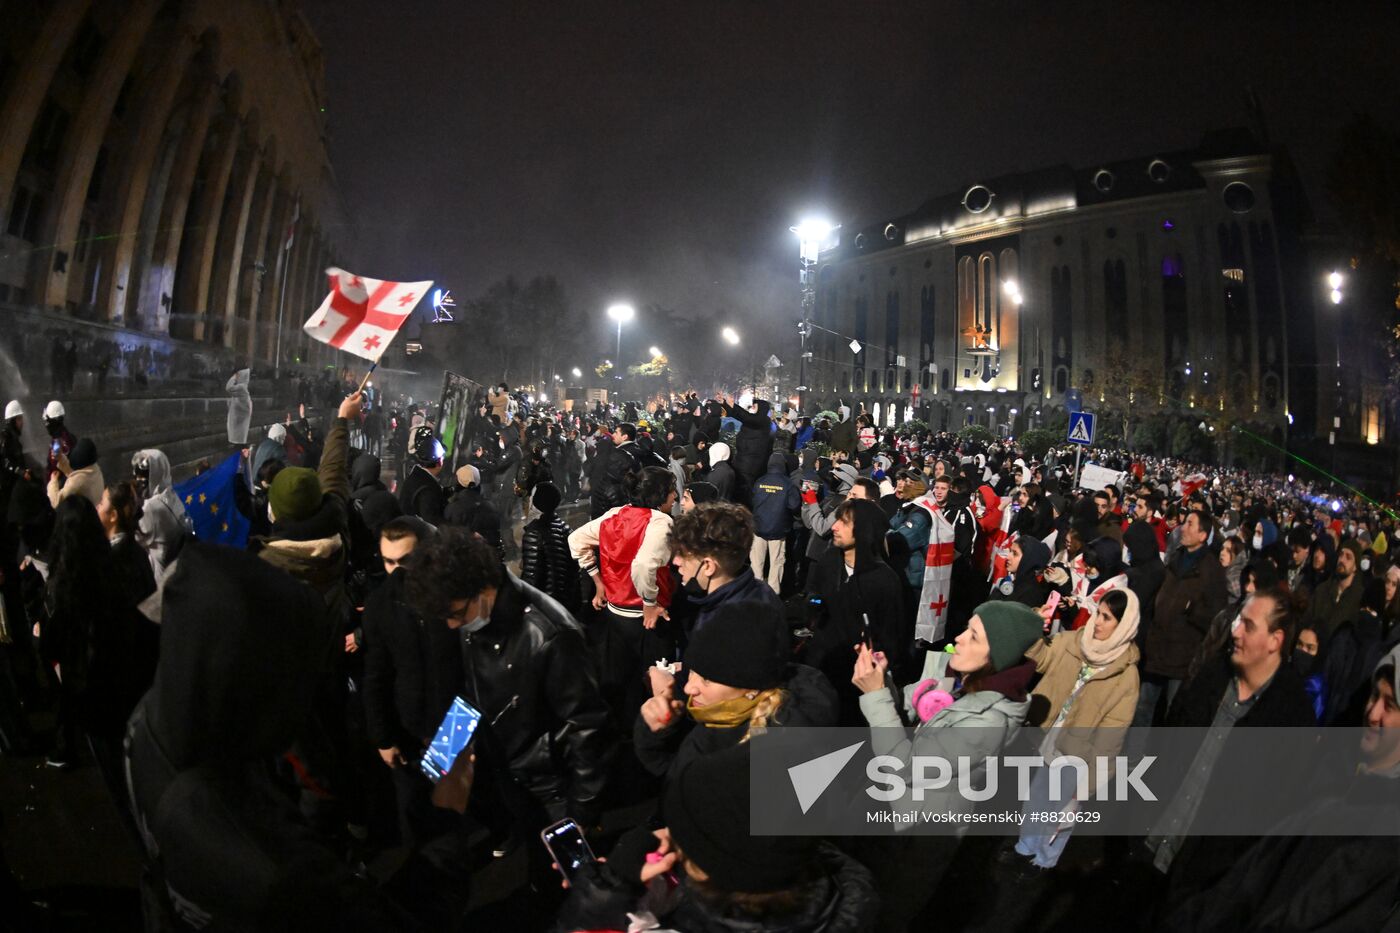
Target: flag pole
(365,381)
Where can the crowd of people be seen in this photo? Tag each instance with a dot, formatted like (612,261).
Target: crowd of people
(627,594)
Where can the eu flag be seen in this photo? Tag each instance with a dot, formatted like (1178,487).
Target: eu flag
(209,503)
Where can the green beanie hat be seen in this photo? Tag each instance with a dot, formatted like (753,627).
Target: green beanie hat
(295,494)
(1011,630)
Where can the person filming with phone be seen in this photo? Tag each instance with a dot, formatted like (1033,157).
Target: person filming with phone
(542,742)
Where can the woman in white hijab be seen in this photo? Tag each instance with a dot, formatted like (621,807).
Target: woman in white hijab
(1089,687)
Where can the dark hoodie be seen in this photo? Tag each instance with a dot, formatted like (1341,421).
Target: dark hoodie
(364,477)
(244,648)
(874,591)
(1028,585)
(754,442)
(1145,571)
(776,501)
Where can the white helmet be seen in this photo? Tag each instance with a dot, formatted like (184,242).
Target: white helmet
(13,409)
(54,410)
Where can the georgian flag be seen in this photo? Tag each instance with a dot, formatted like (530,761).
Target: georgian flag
(361,315)
(932,619)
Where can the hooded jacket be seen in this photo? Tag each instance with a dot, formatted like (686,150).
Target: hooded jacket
(755,439)
(364,477)
(721,474)
(1028,584)
(243,651)
(163,522)
(240,407)
(988,525)
(1145,570)
(268,449)
(843,433)
(776,500)
(746,587)
(843,602)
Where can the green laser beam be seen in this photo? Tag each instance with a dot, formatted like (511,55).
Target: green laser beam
(1338,480)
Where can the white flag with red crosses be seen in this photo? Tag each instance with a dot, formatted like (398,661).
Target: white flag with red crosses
(361,315)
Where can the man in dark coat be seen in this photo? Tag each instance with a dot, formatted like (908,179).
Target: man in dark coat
(412,671)
(754,443)
(1192,592)
(614,462)
(711,546)
(421,494)
(1145,571)
(545,561)
(543,745)
(776,502)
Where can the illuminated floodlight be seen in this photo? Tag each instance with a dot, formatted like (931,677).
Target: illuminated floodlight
(578,373)
(621,313)
(730,335)
(1335,280)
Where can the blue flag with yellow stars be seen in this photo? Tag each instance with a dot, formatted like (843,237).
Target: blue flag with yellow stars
(209,503)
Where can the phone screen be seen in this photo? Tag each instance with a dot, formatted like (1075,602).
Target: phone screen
(55,446)
(456,731)
(566,844)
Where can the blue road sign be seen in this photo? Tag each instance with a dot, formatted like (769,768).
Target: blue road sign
(1081,428)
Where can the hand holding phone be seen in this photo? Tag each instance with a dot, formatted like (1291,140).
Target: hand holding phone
(452,738)
(567,847)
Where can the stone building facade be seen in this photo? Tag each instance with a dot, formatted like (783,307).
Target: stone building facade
(988,304)
(154,157)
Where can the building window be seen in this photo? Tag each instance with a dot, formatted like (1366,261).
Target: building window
(18,212)
(1103,180)
(80,248)
(84,51)
(46,139)
(1238,197)
(1062,380)
(891,325)
(977,199)
(945,380)
(1115,292)
(874,380)
(1159,171)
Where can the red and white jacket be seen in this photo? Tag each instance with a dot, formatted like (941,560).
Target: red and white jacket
(626,546)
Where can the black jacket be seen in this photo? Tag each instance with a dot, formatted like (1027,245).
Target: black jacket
(1189,598)
(721,476)
(755,440)
(470,509)
(875,591)
(545,561)
(811,701)
(412,671)
(544,719)
(243,648)
(422,495)
(610,475)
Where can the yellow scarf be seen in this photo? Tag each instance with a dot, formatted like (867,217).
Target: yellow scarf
(726,715)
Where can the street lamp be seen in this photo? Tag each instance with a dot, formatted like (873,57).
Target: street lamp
(578,373)
(812,234)
(622,314)
(655,352)
(1334,282)
(1012,291)
(730,335)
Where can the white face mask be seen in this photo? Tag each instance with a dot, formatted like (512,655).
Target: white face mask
(1258,542)
(477,624)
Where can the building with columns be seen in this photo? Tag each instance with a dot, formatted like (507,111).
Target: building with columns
(1189,269)
(155,156)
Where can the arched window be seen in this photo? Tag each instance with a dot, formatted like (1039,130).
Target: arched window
(1061,379)
(945,380)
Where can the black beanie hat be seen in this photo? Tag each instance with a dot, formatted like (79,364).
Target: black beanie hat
(702,492)
(84,454)
(547,498)
(741,645)
(706,809)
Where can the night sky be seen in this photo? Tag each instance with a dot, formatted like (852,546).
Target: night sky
(658,152)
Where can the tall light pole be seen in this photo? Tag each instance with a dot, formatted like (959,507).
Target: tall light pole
(812,234)
(621,313)
(1334,284)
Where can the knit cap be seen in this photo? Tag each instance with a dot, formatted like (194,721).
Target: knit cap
(295,494)
(706,809)
(740,645)
(1011,629)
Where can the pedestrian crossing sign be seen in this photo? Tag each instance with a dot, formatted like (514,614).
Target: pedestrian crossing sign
(1081,428)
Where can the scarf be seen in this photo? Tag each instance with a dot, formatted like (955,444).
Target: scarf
(725,715)
(1103,653)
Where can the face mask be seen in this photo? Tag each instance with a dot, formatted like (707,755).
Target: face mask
(693,588)
(476,625)
(1365,565)
(1258,542)
(1303,662)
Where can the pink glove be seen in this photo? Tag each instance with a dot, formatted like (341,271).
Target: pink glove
(929,701)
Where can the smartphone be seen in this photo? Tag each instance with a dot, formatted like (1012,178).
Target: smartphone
(453,735)
(1053,602)
(55,446)
(567,847)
